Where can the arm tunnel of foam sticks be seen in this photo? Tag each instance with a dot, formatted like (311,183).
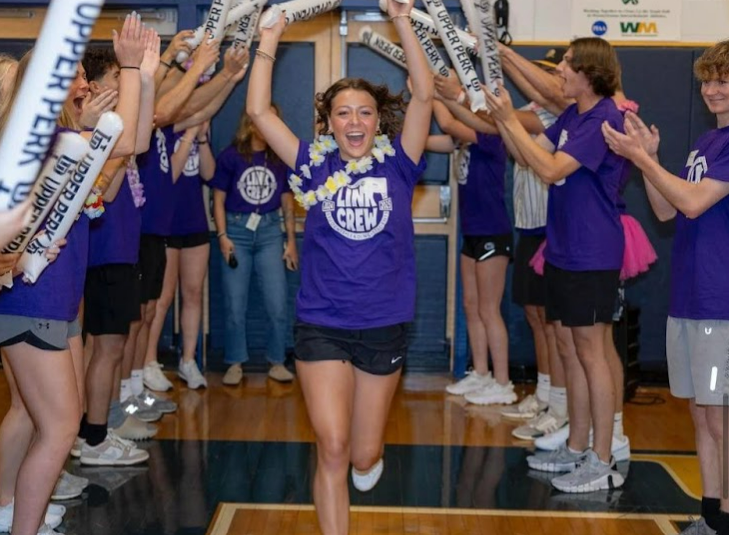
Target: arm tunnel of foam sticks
(72,198)
(425,21)
(297,10)
(382,45)
(246,29)
(52,69)
(236,13)
(457,52)
(437,65)
(480,15)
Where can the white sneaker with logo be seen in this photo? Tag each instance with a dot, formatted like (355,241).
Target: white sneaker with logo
(493,394)
(365,481)
(114,451)
(471,382)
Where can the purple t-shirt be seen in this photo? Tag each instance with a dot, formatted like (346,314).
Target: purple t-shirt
(114,238)
(189,212)
(250,186)
(700,258)
(155,171)
(584,232)
(358,255)
(481,188)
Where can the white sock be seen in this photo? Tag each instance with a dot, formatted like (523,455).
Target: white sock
(618,425)
(126,390)
(137,382)
(543,387)
(558,401)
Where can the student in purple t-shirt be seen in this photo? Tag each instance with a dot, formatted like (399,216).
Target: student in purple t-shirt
(39,330)
(358,260)
(250,187)
(584,252)
(698,322)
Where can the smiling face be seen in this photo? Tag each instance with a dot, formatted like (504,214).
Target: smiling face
(575,83)
(354,122)
(77,93)
(110,80)
(716,97)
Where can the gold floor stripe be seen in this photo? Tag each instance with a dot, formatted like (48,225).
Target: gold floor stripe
(658,459)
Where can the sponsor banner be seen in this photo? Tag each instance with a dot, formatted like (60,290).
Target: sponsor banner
(627,20)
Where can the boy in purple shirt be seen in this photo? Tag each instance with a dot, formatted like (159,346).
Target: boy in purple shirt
(358,260)
(584,252)
(698,323)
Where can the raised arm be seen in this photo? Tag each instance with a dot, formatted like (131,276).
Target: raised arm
(207,160)
(417,117)
(452,126)
(179,158)
(150,63)
(167,61)
(258,104)
(440,143)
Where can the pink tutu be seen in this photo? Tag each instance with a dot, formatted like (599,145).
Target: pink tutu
(637,258)
(639,253)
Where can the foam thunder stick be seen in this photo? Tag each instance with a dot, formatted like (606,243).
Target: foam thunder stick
(52,69)
(437,65)
(383,46)
(247,25)
(481,22)
(297,10)
(73,196)
(457,52)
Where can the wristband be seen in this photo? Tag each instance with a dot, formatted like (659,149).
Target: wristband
(221,234)
(168,65)
(126,67)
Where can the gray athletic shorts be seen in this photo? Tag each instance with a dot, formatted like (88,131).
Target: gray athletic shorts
(51,335)
(698,359)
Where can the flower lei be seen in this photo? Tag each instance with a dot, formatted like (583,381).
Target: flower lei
(94,204)
(318,150)
(135,183)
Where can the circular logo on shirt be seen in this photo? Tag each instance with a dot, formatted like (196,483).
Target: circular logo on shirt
(164,161)
(464,161)
(257,185)
(361,210)
(192,165)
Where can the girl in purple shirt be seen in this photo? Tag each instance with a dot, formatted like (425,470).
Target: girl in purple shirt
(357,264)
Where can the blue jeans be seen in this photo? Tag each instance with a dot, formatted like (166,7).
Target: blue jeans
(263,251)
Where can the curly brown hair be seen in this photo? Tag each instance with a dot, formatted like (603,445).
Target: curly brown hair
(389,107)
(243,140)
(596,58)
(713,63)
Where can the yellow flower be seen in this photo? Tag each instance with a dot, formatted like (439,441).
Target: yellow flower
(316,158)
(378,154)
(321,193)
(341,179)
(295,181)
(331,185)
(309,198)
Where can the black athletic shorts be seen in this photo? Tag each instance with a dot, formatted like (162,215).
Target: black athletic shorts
(580,298)
(188,241)
(111,298)
(152,264)
(482,248)
(527,287)
(379,351)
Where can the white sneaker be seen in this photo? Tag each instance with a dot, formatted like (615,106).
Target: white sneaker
(47,529)
(189,372)
(154,379)
(590,475)
(540,426)
(528,408)
(6,518)
(76,448)
(619,448)
(472,381)
(365,481)
(151,400)
(493,394)
(135,429)
(114,451)
(65,490)
(552,441)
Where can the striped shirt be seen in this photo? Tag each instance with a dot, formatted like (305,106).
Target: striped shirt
(530,193)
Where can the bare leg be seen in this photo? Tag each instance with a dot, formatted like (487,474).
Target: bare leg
(193,267)
(475,327)
(156,320)
(491,278)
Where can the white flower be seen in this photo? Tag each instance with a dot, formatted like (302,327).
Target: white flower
(388,150)
(322,192)
(295,181)
(382,141)
(306,171)
(378,154)
(299,198)
(316,159)
(341,179)
(362,165)
(328,144)
(309,199)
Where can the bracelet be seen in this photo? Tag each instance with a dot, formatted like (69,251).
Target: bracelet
(180,67)
(126,67)
(204,142)
(221,234)
(187,139)
(461,97)
(264,55)
(168,65)
(401,15)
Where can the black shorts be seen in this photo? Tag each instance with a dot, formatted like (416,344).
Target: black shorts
(188,241)
(379,351)
(482,248)
(152,264)
(580,298)
(527,286)
(111,299)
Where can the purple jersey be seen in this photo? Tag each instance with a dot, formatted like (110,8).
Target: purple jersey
(189,212)
(115,237)
(254,186)
(481,176)
(155,171)
(358,256)
(584,232)
(699,281)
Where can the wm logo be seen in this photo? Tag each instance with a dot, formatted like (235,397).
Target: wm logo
(639,27)
(634,2)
